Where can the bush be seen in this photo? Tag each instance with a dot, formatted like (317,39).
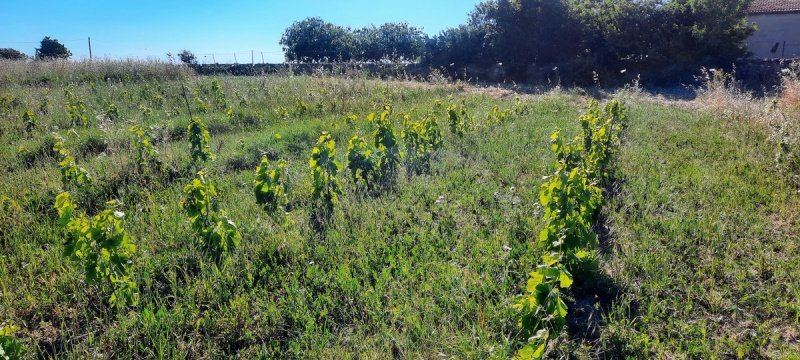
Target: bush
(12,54)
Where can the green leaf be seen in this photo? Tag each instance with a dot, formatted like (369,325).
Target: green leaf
(565,278)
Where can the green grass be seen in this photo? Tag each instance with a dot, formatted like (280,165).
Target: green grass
(699,260)
(703,241)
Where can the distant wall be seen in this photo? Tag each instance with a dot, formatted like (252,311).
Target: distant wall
(416,70)
(411,70)
(774,32)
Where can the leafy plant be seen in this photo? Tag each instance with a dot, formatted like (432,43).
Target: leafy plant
(76,109)
(220,101)
(351,119)
(388,154)
(520,108)
(497,116)
(269,185)
(458,119)
(281,112)
(72,176)
(29,119)
(199,138)
(600,132)
(361,162)
(112,112)
(147,112)
(542,311)
(10,348)
(325,186)
(571,199)
(200,104)
(9,102)
(421,138)
(102,247)
(218,234)
(145,154)
(300,107)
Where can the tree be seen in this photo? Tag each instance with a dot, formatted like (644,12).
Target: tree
(660,39)
(617,34)
(394,41)
(667,38)
(313,39)
(524,32)
(50,49)
(12,54)
(704,32)
(455,48)
(187,57)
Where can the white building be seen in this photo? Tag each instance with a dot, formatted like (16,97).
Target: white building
(778,34)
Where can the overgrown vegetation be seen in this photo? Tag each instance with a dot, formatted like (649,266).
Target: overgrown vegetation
(96,71)
(690,252)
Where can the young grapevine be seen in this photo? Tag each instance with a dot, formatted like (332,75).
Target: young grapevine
(29,119)
(102,246)
(200,140)
(571,199)
(269,185)
(76,109)
(218,234)
(145,154)
(325,185)
(361,162)
(387,152)
(72,176)
(422,138)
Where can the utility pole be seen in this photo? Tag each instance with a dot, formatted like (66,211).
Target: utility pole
(90,48)
(235,61)
(252,59)
(214,59)
(262,57)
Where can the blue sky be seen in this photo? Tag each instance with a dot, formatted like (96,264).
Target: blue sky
(150,28)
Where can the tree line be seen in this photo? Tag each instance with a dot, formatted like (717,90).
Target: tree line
(313,40)
(656,37)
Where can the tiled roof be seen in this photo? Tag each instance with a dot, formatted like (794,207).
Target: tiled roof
(774,6)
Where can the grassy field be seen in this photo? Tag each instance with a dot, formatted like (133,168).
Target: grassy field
(698,239)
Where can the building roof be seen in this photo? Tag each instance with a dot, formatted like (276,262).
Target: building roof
(774,6)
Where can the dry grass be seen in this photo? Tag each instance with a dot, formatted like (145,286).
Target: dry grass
(723,96)
(66,71)
(789,100)
(784,115)
(778,115)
